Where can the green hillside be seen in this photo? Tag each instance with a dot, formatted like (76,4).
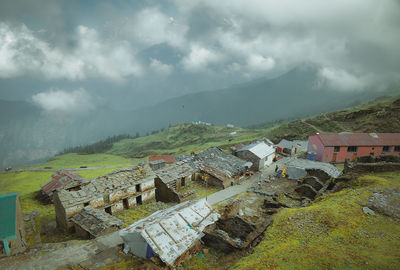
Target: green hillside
(383,116)
(183,139)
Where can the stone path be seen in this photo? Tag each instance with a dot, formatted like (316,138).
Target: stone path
(70,255)
(241,188)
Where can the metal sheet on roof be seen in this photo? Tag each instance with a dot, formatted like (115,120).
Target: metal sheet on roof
(309,164)
(260,149)
(173,231)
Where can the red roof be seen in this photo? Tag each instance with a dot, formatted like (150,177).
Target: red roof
(166,158)
(359,139)
(60,179)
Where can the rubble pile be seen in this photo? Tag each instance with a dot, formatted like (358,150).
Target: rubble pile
(240,226)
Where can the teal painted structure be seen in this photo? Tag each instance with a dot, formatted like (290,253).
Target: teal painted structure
(8,210)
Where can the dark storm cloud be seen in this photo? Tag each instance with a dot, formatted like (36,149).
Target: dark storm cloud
(147,51)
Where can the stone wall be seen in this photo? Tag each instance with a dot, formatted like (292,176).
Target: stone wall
(249,156)
(164,193)
(367,164)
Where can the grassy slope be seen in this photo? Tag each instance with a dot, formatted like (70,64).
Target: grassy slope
(182,139)
(332,233)
(377,117)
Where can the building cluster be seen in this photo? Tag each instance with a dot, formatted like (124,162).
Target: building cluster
(88,206)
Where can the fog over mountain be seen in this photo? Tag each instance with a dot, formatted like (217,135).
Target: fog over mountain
(72,72)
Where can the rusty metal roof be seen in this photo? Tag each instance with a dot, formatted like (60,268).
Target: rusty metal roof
(60,179)
(173,231)
(359,139)
(166,158)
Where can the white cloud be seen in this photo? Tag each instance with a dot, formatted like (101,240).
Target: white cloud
(340,79)
(160,67)
(151,26)
(59,100)
(260,63)
(21,52)
(199,58)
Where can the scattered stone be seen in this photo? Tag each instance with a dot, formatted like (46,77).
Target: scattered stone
(386,202)
(368,211)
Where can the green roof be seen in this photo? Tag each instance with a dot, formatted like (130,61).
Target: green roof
(8,207)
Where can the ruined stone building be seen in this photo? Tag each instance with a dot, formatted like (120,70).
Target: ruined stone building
(171,180)
(93,222)
(62,179)
(260,154)
(114,192)
(219,168)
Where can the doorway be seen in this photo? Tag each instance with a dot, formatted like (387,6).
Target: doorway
(183,182)
(334,157)
(139,200)
(138,188)
(125,203)
(108,210)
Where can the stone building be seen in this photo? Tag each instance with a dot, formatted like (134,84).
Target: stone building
(259,153)
(64,179)
(170,181)
(114,192)
(93,222)
(219,168)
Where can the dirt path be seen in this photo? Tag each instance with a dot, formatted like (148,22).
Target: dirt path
(57,169)
(314,127)
(227,193)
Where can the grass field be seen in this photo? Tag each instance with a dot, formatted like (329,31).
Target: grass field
(27,184)
(74,160)
(332,233)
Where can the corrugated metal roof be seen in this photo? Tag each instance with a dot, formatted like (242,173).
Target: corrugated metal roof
(60,179)
(260,149)
(359,139)
(166,158)
(289,144)
(173,231)
(309,165)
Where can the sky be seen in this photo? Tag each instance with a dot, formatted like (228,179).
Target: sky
(78,55)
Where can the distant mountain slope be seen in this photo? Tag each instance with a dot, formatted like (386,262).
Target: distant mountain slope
(293,94)
(28,134)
